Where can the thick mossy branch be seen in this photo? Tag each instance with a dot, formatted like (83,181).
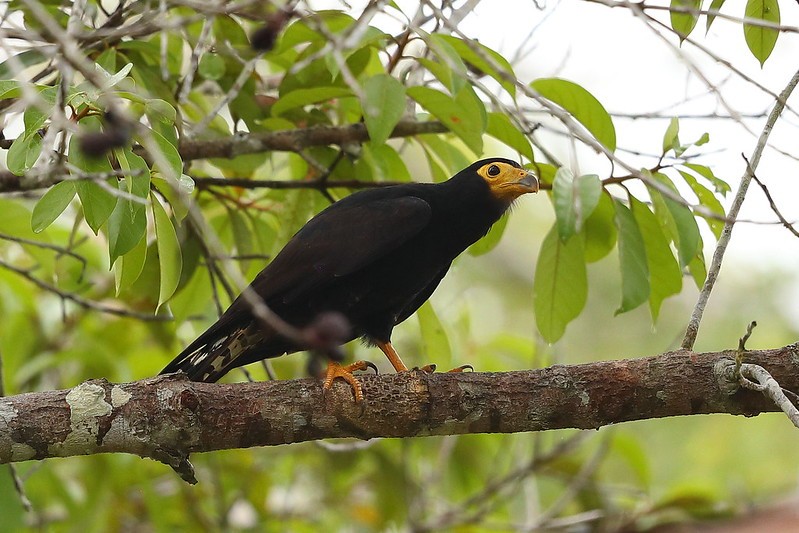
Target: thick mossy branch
(171,417)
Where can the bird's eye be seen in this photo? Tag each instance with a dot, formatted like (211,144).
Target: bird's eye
(493,170)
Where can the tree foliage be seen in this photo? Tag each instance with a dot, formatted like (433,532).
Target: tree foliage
(158,154)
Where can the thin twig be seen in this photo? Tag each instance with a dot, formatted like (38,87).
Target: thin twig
(771,202)
(194,60)
(234,91)
(577,483)
(757,378)
(483,499)
(83,302)
(47,246)
(721,246)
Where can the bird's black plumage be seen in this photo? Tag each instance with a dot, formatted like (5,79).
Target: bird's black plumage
(375,257)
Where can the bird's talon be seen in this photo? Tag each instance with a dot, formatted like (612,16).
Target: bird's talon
(335,370)
(463,368)
(427,368)
(373,366)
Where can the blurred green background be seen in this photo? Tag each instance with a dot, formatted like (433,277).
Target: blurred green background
(632,477)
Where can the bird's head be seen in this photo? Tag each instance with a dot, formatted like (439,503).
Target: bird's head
(506,179)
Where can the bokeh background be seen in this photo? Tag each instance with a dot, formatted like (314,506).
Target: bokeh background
(637,475)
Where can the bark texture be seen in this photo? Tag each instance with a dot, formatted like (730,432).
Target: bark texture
(168,417)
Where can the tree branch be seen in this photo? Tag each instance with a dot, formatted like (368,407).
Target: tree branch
(167,418)
(295,140)
(316,184)
(726,233)
(250,143)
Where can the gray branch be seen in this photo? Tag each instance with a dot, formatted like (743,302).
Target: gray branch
(726,233)
(167,418)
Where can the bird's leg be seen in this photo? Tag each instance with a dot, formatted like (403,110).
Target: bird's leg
(335,370)
(393,356)
(399,366)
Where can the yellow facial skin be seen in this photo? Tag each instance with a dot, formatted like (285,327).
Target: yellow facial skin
(508,182)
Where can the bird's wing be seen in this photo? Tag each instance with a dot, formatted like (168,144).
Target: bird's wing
(338,241)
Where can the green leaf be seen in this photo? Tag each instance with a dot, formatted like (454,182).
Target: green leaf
(708,200)
(688,244)
(684,22)
(242,233)
(492,238)
(560,287)
(500,127)
(671,139)
(628,446)
(107,60)
(434,339)
(504,75)
(714,5)
(160,111)
(447,66)
(380,163)
(299,32)
(10,89)
(665,276)
(15,218)
(98,203)
(599,230)
(384,106)
(26,59)
(633,261)
(303,97)
(128,269)
(459,115)
(51,205)
(680,223)
(574,199)
(211,66)
(35,118)
(115,78)
(545,172)
(185,184)
(697,268)
(128,222)
(582,105)
(126,226)
(169,259)
(193,298)
(721,186)
(23,153)
(170,153)
(452,158)
(761,40)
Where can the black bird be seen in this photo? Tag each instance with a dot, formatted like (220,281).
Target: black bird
(374,257)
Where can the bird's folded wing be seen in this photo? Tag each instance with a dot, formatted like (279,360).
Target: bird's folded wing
(341,241)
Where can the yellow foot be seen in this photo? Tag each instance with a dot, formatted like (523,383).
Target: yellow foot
(335,370)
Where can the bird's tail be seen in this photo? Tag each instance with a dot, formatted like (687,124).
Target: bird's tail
(208,360)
